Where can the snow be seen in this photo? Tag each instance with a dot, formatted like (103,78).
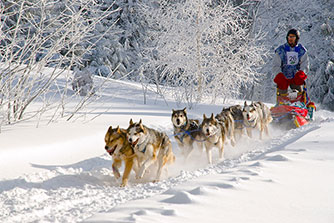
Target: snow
(61,173)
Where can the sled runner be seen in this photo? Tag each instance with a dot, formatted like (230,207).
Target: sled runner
(293,109)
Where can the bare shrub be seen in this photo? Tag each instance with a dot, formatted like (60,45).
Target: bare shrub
(40,41)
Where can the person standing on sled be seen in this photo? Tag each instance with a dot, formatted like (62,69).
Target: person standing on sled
(291,64)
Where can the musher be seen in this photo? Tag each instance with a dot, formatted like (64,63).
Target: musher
(291,64)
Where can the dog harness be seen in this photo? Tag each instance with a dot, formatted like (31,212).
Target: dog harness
(143,151)
(252,123)
(184,133)
(193,125)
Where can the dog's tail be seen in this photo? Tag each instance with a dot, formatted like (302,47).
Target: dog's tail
(266,113)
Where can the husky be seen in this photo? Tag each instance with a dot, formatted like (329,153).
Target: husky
(256,115)
(236,112)
(187,132)
(226,120)
(120,149)
(215,135)
(150,146)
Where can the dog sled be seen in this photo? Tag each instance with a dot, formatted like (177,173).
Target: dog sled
(293,110)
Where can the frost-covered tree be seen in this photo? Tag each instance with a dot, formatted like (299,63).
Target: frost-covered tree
(82,82)
(119,49)
(202,47)
(322,83)
(314,19)
(322,87)
(36,34)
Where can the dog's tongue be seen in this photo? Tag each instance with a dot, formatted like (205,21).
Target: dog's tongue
(111,151)
(135,142)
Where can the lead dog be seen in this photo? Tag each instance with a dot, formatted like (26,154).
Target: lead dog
(187,132)
(215,135)
(120,149)
(150,146)
(256,115)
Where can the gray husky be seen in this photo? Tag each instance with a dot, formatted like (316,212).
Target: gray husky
(238,118)
(215,135)
(150,147)
(187,132)
(256,115)
(225,118)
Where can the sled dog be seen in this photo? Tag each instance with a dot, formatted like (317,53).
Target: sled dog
(187,132)
(256,115)
(150,146)
(236,112)
(120,149)
(226,120)
(215,135)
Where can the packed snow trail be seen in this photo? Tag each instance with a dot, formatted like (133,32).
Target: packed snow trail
(75,192)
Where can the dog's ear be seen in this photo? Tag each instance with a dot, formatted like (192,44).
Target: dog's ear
(173,111)
(141,126)
(109,132)
(245,104)
(118,130)
(204,116)
(140,123)
(131,122)
(185,110)
(212,117)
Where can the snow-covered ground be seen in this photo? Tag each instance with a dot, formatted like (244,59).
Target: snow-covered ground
(61,172)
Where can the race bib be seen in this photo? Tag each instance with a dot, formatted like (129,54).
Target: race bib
(292,58)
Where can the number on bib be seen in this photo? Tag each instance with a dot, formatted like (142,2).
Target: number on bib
(292,58)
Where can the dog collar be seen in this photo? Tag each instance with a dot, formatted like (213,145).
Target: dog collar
(143,151)
(185,124)
(251,123)
(138,146)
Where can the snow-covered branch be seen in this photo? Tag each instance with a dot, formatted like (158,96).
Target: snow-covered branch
(202,47)
(40,42)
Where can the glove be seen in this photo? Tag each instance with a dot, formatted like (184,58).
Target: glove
(281,81)
(299,78)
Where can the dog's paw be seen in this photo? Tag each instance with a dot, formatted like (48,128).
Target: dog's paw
(141,173)
(116,173)
(123,184)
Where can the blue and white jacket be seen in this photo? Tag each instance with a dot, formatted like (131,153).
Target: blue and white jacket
(289,60)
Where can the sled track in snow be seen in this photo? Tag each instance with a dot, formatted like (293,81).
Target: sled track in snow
(75,192)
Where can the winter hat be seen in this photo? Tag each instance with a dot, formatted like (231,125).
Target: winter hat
(294,32)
